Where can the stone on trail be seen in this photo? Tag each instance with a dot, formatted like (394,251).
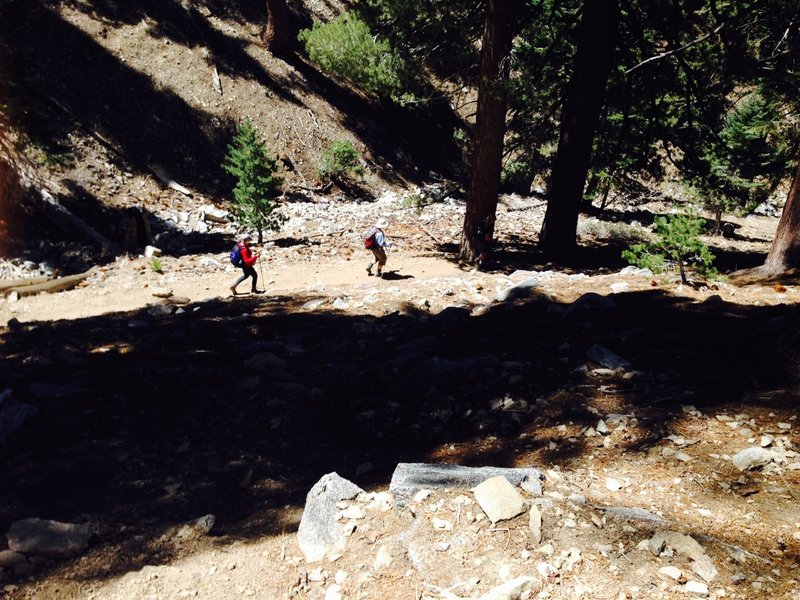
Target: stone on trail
(535,523)
(671,572)
(751,458)
(516,589)
(319,533)
(519,290)
(696,588)
(704,567)
(607,358)
(679,542)
(409,478)
(13,414)
(9,559)
(499,499)
(40,537)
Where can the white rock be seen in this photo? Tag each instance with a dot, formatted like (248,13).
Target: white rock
(678,542)
(704,567)
(421,496)
(696,588)
(672,572)
(442,524)
(353,512)
(535,523)
(546,570)
(151,251)
(619,286)
(499,499)
(512,590)
(613,485)
(334,592)
(751,458)
(383,559)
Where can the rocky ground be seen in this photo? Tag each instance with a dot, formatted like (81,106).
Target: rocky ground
(179,430)
(160,399)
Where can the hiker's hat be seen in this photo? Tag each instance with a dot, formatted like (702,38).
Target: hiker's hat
(245,237)
(381,223)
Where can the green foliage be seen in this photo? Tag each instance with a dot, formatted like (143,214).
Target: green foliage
(750,155)
(155,265)
(347,48)
(430,34)
(53,157)
(257,182)
(678,242)
(339,159)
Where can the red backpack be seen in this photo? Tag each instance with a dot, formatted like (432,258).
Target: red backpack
(369,237)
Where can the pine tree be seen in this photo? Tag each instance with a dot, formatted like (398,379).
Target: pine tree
(257,183)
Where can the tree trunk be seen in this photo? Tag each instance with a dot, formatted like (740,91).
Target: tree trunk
(582,105)
(490,124)
(276,34)
(784,254)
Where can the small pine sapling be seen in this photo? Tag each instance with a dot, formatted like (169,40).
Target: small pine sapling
(257,183)
(679,242)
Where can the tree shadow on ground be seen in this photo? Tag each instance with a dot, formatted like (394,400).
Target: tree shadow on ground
(70,252)
(236,407)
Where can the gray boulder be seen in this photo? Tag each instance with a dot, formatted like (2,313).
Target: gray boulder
(319,532)
(408,478)
(40,537)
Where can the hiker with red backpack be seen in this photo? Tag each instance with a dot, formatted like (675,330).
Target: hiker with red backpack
(243,257)
(375,241)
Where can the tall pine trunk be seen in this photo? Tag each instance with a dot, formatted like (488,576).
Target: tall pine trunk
(584,101)
(784,254)
(490,124)
(276,34)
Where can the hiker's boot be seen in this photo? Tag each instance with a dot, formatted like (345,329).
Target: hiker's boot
(380,275)
(369,269)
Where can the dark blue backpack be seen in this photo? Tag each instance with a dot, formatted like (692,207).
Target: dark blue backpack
(236,256)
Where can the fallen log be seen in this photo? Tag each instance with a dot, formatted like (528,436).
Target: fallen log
(61,217)
(22,282)
(168,181)
(51,286)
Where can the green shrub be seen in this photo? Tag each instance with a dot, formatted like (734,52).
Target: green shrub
(338,160)
(678,242)
(345,47)
(257,182)
(155,265)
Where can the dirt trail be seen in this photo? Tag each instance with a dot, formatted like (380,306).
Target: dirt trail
(129,284)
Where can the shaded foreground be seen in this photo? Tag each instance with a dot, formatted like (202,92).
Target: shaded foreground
(237,408)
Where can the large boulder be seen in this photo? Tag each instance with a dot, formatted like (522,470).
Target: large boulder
(320,532)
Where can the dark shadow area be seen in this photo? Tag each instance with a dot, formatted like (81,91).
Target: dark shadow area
(290,242)
(69,252)
(237,407)
(727,229)
(393,134)
(395,276)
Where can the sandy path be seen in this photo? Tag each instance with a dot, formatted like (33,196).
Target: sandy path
(128,284)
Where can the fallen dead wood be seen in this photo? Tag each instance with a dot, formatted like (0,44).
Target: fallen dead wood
(164,177)
(62,217)
(22,282)
(426,232)
(51,286)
